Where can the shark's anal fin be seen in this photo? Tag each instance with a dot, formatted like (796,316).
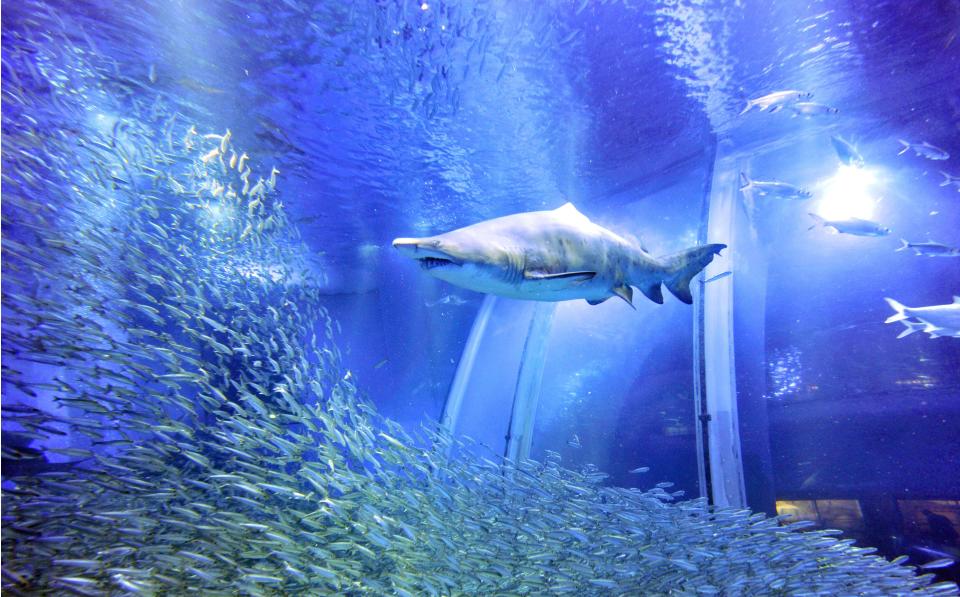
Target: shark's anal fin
(556,282)
(597,302)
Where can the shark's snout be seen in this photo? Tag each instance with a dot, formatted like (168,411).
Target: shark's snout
(427,251)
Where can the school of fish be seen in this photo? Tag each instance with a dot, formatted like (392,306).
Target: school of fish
(177,419)
(849,155)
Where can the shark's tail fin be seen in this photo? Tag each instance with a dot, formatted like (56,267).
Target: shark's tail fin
(946,179)
(745,182)
(682,267)
(746,109)
(900,314)
(904,245)
(906,146)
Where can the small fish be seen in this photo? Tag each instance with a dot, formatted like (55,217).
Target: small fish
(939,563)
(847,153)
(381,363)
(929,249)
(450,299)
(773,188)
(854,226)
(574,442)
(924,150)
(718,277)
(640,469)
(810,109)
(774,102)
(949,179)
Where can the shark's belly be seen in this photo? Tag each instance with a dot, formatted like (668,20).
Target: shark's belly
(595,289)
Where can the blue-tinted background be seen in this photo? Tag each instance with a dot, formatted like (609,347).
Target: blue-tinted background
(391,119)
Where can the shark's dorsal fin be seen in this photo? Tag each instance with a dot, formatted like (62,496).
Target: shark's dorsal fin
(569,210)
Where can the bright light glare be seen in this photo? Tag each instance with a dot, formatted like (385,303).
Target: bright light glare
(847,194)
(217,213)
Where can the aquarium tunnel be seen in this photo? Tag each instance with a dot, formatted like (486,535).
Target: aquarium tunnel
(222,375)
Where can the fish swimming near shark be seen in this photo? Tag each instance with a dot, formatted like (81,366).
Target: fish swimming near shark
(929,249)
(554,255)
(847,152)
(950,179)
(935,320)
(811,109)
(854,226)
(773,188)
(924,150)
(774,102)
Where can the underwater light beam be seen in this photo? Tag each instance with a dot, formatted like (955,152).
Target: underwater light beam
(847,194)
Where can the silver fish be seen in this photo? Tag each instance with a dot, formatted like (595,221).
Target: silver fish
(929,249)
(718,277)
(846,151)
(773,188)
(774,102)
(939,563)
(450,299)
(949,179)
(924,150)
(854,226)
(811,109)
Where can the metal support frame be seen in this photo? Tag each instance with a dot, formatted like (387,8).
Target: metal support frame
(527,394)
(723,434)
(451,408)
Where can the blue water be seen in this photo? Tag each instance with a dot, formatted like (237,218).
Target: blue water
(394,118)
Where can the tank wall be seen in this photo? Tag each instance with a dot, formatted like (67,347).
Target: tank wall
(861,428)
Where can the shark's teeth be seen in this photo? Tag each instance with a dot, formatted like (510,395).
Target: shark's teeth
(432,262)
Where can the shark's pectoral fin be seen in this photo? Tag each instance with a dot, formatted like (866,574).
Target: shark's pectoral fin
(625,292)
(653,292)
(555,282)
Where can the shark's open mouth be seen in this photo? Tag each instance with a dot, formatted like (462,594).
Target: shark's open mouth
(426,251)
(434,262)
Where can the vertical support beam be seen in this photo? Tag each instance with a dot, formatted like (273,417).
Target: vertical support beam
(451,409)
(699,394)
(527,395)
(726,468)
(701,418)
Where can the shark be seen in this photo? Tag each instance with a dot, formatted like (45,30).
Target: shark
(935,320)
(554,255)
